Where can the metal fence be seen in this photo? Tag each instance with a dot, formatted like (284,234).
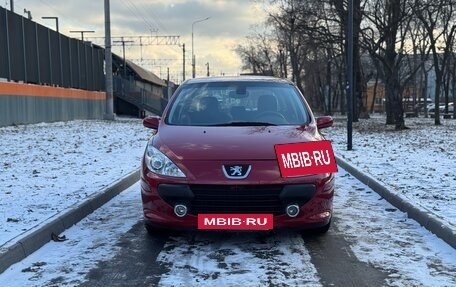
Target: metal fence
(32,53)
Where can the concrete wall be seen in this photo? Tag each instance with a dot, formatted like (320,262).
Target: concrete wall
(27,104)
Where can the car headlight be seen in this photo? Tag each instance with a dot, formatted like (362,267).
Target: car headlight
(160,164)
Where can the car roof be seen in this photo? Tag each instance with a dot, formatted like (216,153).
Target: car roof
(237,79)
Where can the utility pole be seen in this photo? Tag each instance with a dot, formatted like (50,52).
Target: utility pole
(328,82)
(281,62)
(82,33)
(12,5)
(123,50)
(183,62)
(350,76)
(109,113)
(168,87)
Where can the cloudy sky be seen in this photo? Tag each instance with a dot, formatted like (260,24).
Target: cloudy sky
(214,39)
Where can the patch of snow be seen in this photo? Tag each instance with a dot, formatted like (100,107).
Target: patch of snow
(91,240)
(237,259)
(386,238)
(417,163)
(49,167)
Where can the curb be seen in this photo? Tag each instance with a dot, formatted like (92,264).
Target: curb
(422,216)
(42,235)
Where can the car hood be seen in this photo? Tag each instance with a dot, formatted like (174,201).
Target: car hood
(185,143)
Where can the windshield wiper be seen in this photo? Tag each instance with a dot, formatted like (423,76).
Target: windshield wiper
(243,124)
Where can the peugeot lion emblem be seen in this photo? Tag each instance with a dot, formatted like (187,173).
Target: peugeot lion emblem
(236,171)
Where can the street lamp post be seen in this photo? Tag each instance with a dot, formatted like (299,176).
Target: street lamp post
(350,76)
(56,22)
(193,54)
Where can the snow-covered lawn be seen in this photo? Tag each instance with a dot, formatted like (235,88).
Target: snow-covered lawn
(418,163)
(377,233)
(46,168)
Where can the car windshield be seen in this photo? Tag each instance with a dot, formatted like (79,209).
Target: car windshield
(241,103)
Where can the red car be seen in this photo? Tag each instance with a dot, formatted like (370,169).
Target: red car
(212,163)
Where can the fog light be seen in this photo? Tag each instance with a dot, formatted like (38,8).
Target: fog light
(180,210)
(292,210)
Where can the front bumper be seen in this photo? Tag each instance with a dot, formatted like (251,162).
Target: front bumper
(314,201)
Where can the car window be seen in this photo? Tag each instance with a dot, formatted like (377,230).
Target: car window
(237,103)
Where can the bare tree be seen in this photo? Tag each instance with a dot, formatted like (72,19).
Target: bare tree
(309,43)
(360,104)
(260,54)
(437,19)
(312,35)
(287,21)
(420,48)
(384,36)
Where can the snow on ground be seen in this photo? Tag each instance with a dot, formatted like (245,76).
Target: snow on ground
(237,259)
(387,239)
(377,233)
(46,168)
(418,163)
(66,263)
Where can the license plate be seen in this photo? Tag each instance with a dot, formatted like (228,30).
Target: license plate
(235,221)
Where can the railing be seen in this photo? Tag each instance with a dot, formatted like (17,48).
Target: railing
(139,97)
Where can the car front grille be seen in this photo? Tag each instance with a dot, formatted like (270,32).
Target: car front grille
(236,199)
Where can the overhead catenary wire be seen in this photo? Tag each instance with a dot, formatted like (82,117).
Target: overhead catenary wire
(153,27)
(139,15)
(135,12)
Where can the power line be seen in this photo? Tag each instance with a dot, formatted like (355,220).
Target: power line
(137,13)
(156,18)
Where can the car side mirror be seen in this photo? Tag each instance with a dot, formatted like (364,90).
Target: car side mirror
(152,122)
(324,122)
